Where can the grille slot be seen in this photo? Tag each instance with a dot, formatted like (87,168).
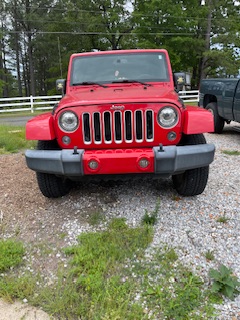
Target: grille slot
(97,127)
(118,126)
(128,125)
(86,128)
(107,127)
(149,125)
(139,125)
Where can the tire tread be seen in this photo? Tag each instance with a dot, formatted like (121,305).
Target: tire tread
(51,185)
(192,182)
(218,121)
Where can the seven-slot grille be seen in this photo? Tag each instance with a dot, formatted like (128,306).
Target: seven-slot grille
(118,127)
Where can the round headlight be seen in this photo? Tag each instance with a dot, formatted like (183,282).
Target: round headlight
(68,121)
(167,117)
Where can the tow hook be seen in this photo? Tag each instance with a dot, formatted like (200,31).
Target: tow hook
(160,148)
(75,150)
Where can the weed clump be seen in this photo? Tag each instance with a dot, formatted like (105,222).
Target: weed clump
(224,282)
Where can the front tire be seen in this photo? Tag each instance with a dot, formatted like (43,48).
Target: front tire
(51,185)
(191,182)
(218,121)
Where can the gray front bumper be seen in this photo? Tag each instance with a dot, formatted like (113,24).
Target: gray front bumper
(167,160)
(61,162)
(174,159)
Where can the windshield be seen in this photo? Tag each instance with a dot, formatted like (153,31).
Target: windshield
(107,68)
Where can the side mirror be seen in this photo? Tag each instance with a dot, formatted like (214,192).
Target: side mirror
(61,85)
(182,81)
(179,79)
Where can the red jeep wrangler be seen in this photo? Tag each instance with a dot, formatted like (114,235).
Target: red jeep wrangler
(120,116)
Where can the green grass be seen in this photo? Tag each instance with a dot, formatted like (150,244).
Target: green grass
(95,217)
(110,277)
(209,255)
(11,253)
(171,290)
(222,219)
(12,139)
(93,287)
(190,103)
(13,287)
(150,218)
(231,152)
(21,113)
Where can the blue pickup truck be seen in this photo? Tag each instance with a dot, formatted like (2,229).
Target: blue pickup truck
(222,98)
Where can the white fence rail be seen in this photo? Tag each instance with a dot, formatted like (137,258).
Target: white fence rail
(189,96)
(20,104)
(32,104)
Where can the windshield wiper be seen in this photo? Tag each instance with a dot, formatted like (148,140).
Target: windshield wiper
(132,81)
(85,83)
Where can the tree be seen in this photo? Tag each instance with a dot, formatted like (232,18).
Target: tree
(105,23)
(40,35)
(221,57)
(192,33)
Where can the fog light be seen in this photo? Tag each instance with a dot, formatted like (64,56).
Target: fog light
(66,140)
(172,135)
(143,163)
(93,164)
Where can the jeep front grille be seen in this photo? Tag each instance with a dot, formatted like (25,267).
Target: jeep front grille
(118,127)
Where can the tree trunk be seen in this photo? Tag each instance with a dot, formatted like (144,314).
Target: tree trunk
(207,42)
(31,65)
(17,50)
(25,70)
(30,50)
(3,68)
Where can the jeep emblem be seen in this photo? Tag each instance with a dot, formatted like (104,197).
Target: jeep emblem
(117,107)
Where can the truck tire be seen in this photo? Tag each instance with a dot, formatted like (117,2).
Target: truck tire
(218,121)
(51,185)
(191,182)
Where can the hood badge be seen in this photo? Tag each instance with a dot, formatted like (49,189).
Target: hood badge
(117,107)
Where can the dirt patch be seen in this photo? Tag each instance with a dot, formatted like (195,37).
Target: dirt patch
(26,215)
(46,226)
(19,311)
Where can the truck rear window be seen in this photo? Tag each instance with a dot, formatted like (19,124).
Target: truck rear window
(108,68)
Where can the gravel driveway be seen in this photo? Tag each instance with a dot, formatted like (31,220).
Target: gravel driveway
(188,224)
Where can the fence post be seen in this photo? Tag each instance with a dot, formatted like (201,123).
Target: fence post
(31,101)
